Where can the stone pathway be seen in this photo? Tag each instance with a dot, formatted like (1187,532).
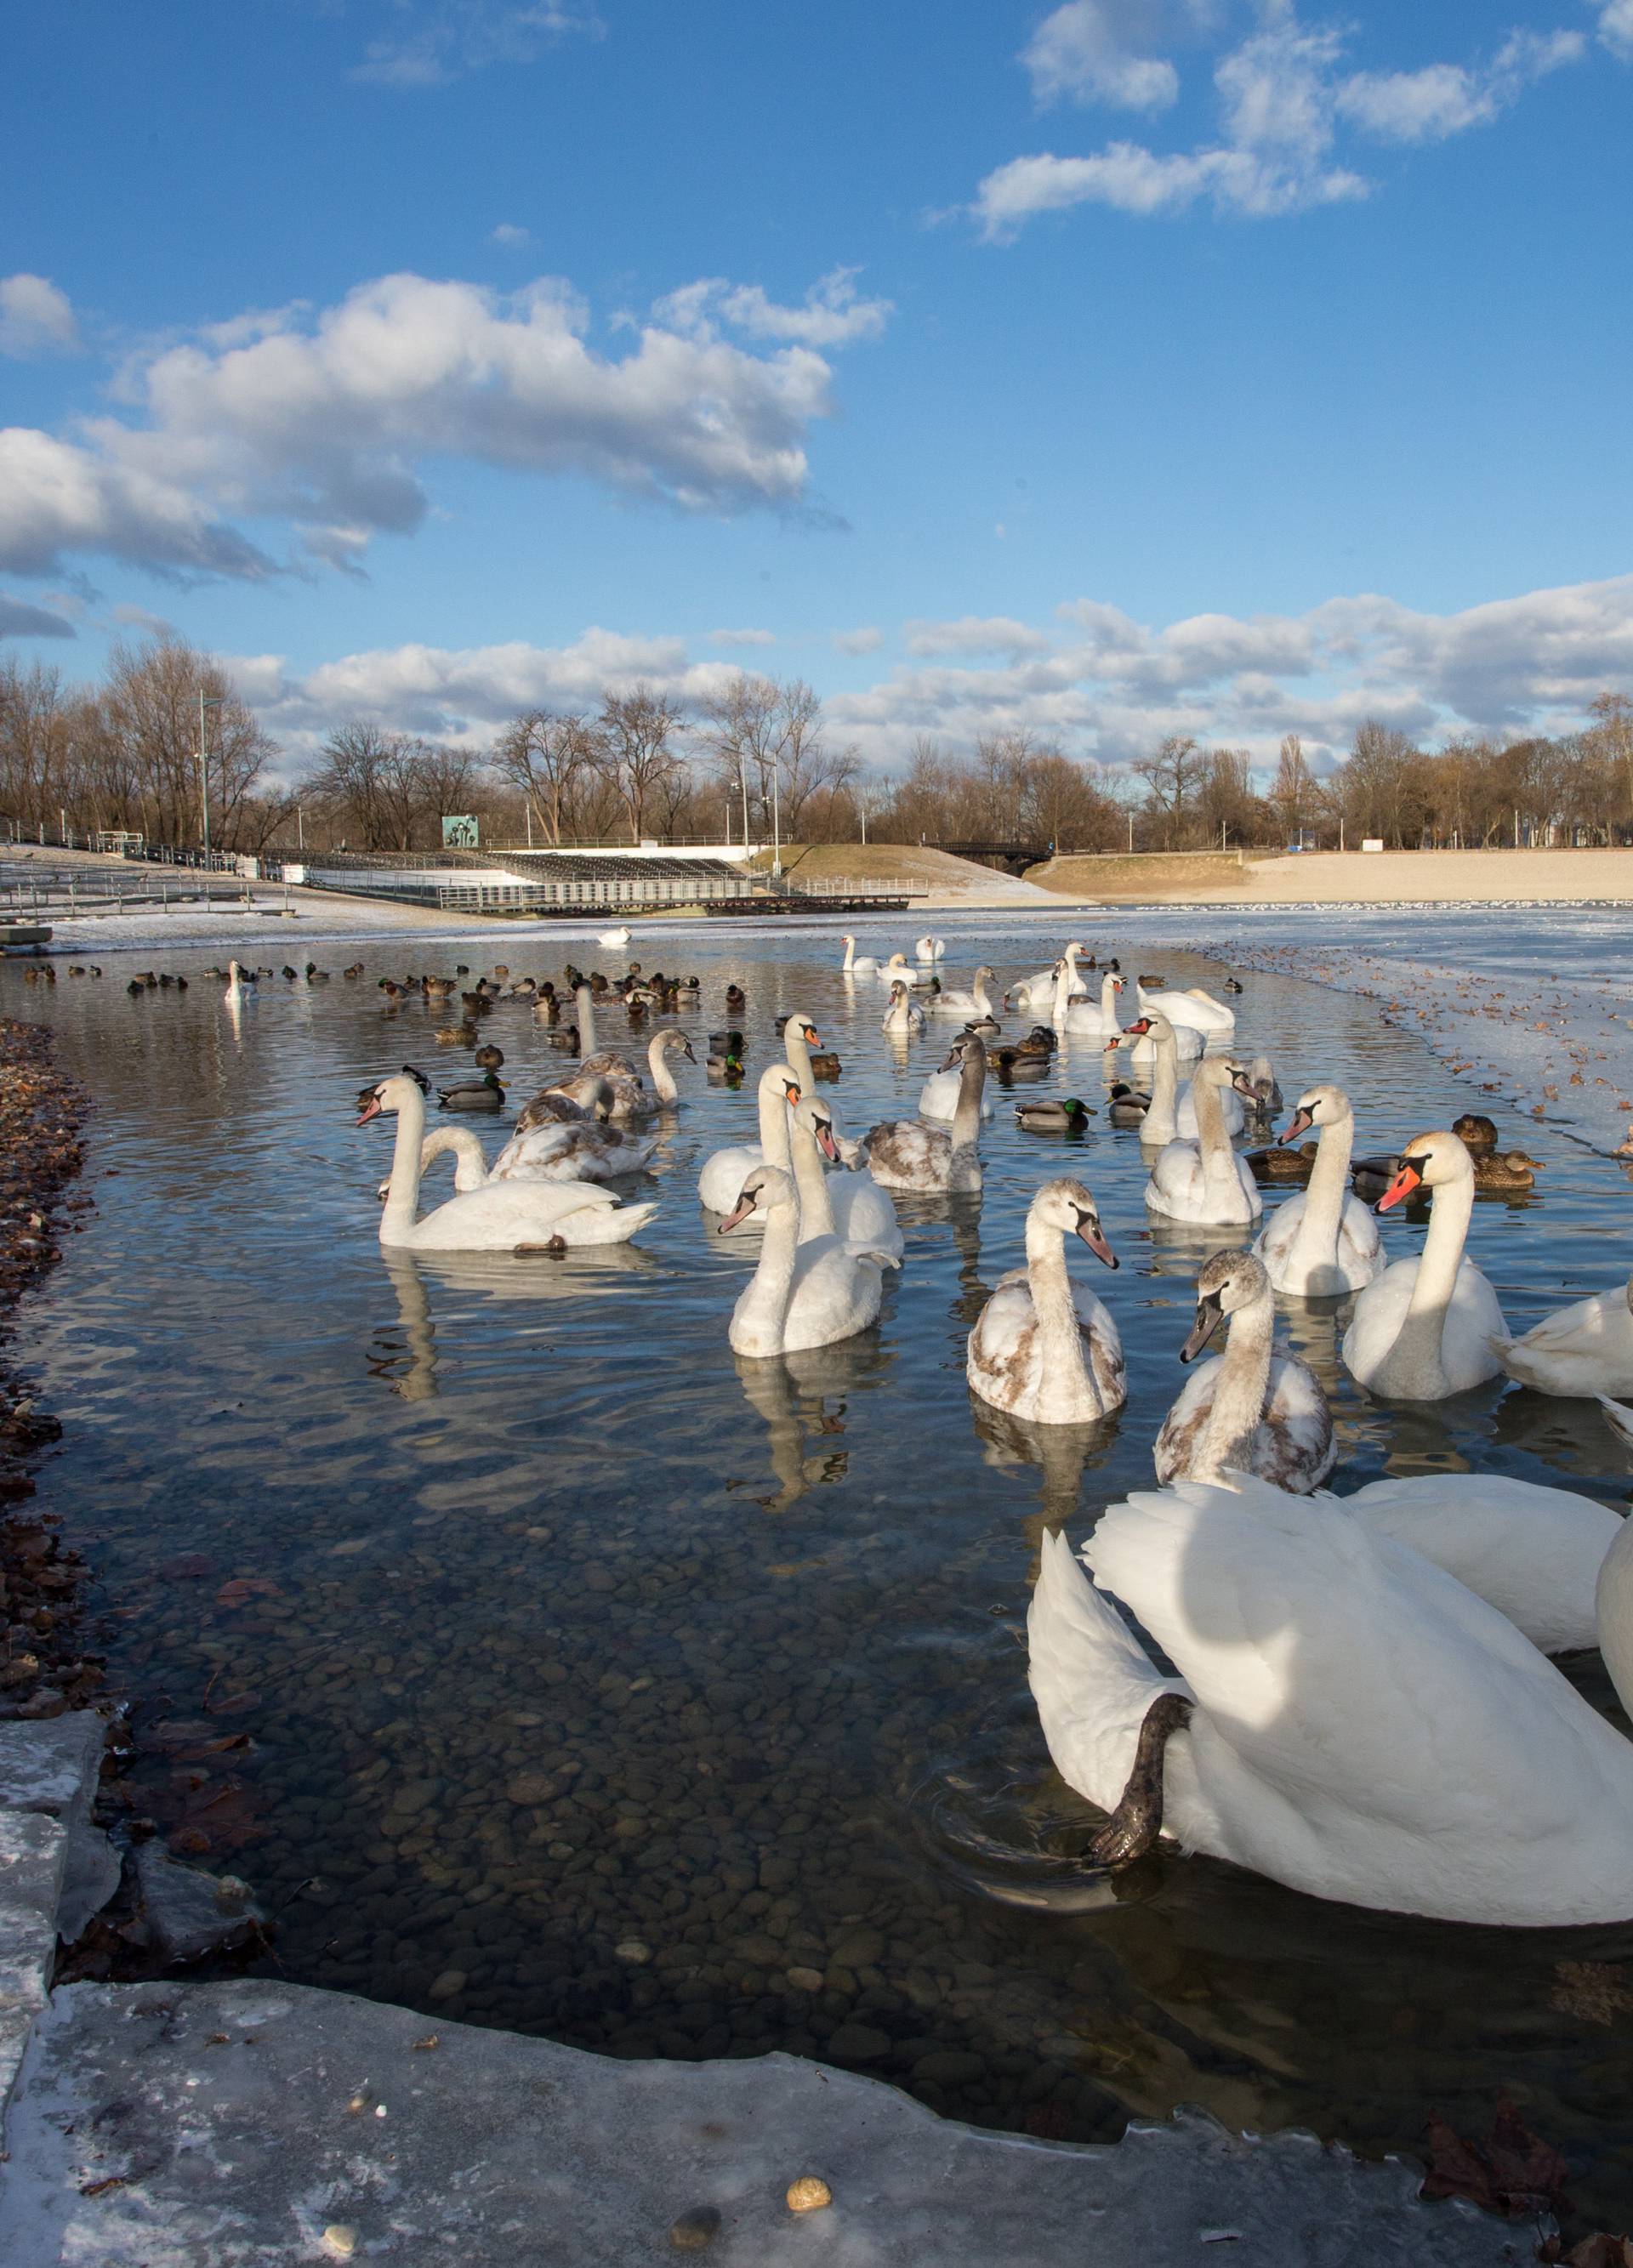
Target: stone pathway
(247,2124)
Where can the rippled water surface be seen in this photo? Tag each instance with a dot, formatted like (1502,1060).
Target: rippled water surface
(562,1640)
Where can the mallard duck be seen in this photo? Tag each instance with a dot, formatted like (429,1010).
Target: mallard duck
(1052,1116)
(1031,1054)
(1230,985)
(356,969)
(1127,1105)
(1476,1131)
(293,975)
(454,1036)
(1278,1165)
(564,1036)
(314,974)
(736,996)
(1504,1169)
(488,1059)
(484,1093)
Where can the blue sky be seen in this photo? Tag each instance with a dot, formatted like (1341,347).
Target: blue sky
(1133,366)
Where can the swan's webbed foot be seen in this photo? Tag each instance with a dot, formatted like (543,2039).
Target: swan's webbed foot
(1133,1827)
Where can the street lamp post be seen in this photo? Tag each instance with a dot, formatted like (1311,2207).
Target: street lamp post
(204,701)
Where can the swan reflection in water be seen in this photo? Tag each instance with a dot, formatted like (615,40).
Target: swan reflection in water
(801,1399)
(1061,1455)
(406,1357)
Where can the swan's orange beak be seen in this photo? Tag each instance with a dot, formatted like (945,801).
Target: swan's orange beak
(1409,1178)
(371,1110)
(812,1038)
(745,1207)
(1301,1121)
(826,1144)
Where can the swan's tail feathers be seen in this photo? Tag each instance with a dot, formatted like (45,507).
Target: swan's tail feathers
(1619,1417)
(1091,1677)
(1515,1359)
(616,1225)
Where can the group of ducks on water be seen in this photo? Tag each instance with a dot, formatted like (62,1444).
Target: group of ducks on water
(1360,1703)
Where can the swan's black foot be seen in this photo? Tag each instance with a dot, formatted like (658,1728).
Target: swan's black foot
(1133,1827)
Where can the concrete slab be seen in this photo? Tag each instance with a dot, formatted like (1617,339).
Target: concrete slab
(218,2125)
(52,1767)
(34,1851)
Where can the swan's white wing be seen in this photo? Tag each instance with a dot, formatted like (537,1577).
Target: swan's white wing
(1103,1345)
(1340,1666)
(1295,1448)
(1176,1443)
(1586,1348)
(1091,1677)
(836,1294)
(1474,1320)
(938,1098)
(1619,1418)
(863,1215)
(1533,1553)
(720,1184)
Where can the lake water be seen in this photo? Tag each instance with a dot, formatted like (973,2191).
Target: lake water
(560,1637)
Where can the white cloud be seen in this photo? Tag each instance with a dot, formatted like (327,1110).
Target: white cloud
(35,316)
(19,619)
(508,232)
(1283,96)
(832,315)
(1083,52)
(434,41)
(138,618)
(323,418)
(1615,28)
(973,634)
(866,639)
(742,637)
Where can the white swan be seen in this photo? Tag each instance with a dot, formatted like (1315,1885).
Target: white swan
(720,1184)
(561,1151)
(614,937)
(1423,1329)
(501,1216)
(1585,1349)
(976,1003)
(930,949)
(898,970)
(1044,1348)
(237,984)
(938,1097)
(1036,993)
(1205,1180)
(904,1153)
(1323,1242)
(856,964)
(903,1018)
(1250,1409)
(606,1084)
(1232,1110)
(1140,1040)
(849,1204)
(1198,1009)
(1346,1719)
(1533,1553)
(799,1295)
(1078,1014)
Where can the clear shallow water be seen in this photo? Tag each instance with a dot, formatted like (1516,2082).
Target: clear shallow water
(553,1628)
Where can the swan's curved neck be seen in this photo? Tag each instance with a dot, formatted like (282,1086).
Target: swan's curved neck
(966,1124)
(773,1124)
(471,1166)
(763,1311)
(1161,1122)
(1067,1376)
(1317,1239)
(657,1064)
(1213,1139)
(587,1021)
(401,1209)
(1416,1351)
(979,994)
(850,955)
(1109,1016)
(815,1203)
(1227,1441)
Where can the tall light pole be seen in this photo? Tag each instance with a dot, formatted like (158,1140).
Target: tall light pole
(204,701)
(776,821)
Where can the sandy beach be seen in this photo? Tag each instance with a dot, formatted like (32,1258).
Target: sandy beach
(1335,878)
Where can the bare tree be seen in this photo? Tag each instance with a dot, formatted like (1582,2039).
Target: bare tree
(1172,777)
(768,743)
(1292,793)
(634,749)
(547,757)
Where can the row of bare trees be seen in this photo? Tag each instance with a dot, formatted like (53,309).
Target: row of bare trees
(757,755)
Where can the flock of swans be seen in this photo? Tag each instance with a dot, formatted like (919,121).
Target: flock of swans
(1360,1703)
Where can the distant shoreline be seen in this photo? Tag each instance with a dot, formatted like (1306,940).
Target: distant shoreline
(1349,878)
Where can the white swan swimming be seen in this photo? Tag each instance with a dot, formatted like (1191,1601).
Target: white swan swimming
(856,964)
(1423,1329)
(975,1003)
(501,1216)
(930,949)
(849,1204)
(904,1153)
(1346,1718)
(1204,1181)
(1323,1242)
(720,1184)
(558,1150)
(898,970)
(1078,1014)
(903,1018)
(614,937)
(1585,1349)
(605,1084)
(1036,993)
(1044,1347)
(1197,1008)
(1250,1409)
(799,1295)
